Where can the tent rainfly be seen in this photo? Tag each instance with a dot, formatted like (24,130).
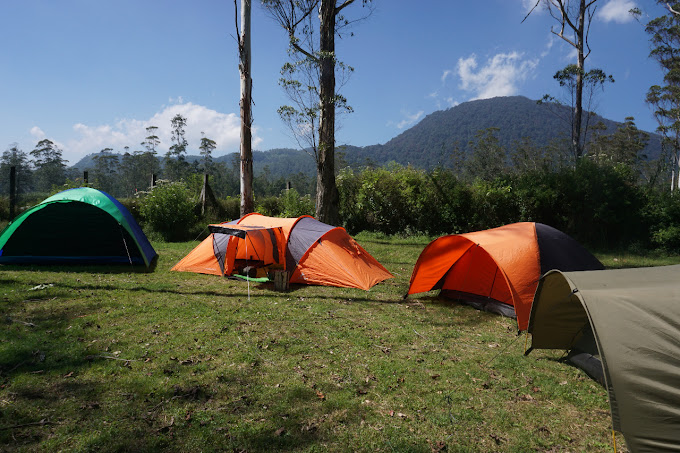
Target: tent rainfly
(312,252)
(498,269)
(634,317)
(76,226)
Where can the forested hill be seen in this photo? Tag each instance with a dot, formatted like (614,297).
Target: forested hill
(432,141)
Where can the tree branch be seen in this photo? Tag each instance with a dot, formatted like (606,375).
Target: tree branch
(670,8)
(538,2)
(339,8)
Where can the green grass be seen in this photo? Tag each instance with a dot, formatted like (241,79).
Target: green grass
(92,360)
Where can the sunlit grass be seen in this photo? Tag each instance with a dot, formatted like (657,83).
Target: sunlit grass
(93,360)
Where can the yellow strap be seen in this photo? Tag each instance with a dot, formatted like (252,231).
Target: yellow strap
(614,439)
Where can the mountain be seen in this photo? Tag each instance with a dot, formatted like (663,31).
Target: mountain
(432,141)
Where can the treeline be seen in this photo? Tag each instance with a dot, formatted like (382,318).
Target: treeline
(614,197)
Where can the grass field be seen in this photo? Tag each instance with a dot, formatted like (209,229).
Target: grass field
(93,360)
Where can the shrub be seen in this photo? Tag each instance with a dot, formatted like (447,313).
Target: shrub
(667,238)
(294,205)
(169,211)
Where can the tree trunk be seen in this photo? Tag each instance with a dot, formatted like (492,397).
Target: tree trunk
(247,202)
(327,196)
(576,141)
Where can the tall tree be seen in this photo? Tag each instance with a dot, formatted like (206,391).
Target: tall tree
(49,165)
(206,148)
(295,17)
(665,100)
(106,165)
(176,165)
(151,141)
(488,158)
(574,18)
(15,157)
(246,102)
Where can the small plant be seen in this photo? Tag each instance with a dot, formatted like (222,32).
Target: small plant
(294,205)
(169,211)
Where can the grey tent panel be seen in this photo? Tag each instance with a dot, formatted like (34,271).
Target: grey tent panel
(220,242)
(561,251)
(307,231)
(635,318)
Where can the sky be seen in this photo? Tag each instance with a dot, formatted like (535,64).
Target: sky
(93,74)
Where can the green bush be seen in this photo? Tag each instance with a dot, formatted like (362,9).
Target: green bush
(667,238)
(169,211)
(294,205)
(403,200)
(270,206)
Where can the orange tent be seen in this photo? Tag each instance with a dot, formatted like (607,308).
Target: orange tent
(499,268)
(311,251)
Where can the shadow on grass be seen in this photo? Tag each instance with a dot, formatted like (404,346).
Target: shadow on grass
(81,269)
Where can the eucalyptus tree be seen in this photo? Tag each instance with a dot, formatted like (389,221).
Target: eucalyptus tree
(106,167)
(176,165)
(665,99)
(574,18)
(246,102)
(15,157)
(206,148)
(151,141)
(312,117)
(49,165)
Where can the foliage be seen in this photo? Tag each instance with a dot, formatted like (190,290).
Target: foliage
(176,166)
(15,157)
(295,205)
(169,210)
(402,200)
(665,99)
(49,165)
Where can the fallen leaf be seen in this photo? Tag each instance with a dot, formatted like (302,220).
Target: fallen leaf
(321,396)
(280,432)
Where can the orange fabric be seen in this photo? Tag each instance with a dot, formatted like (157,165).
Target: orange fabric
(506,267)
(337,260)
(435,261)
(477,273)
(201,259)
(258,246)
(255,219)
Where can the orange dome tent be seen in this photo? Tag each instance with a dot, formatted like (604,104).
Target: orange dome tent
(312,252)
(498,269)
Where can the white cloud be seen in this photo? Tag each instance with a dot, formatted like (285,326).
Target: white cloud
(617,11)
(499,76)
(410,119)
(224,128)
(37,133)
(548,45)
(446,74)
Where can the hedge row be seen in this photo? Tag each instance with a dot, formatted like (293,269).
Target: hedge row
(601,206)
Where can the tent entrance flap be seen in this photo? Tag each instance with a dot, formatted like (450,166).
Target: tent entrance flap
(239,246)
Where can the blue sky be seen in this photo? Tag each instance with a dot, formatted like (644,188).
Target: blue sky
(90,74)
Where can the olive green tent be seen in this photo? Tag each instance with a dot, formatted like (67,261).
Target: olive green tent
(634,315)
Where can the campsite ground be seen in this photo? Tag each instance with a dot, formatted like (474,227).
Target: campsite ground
(94,360)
